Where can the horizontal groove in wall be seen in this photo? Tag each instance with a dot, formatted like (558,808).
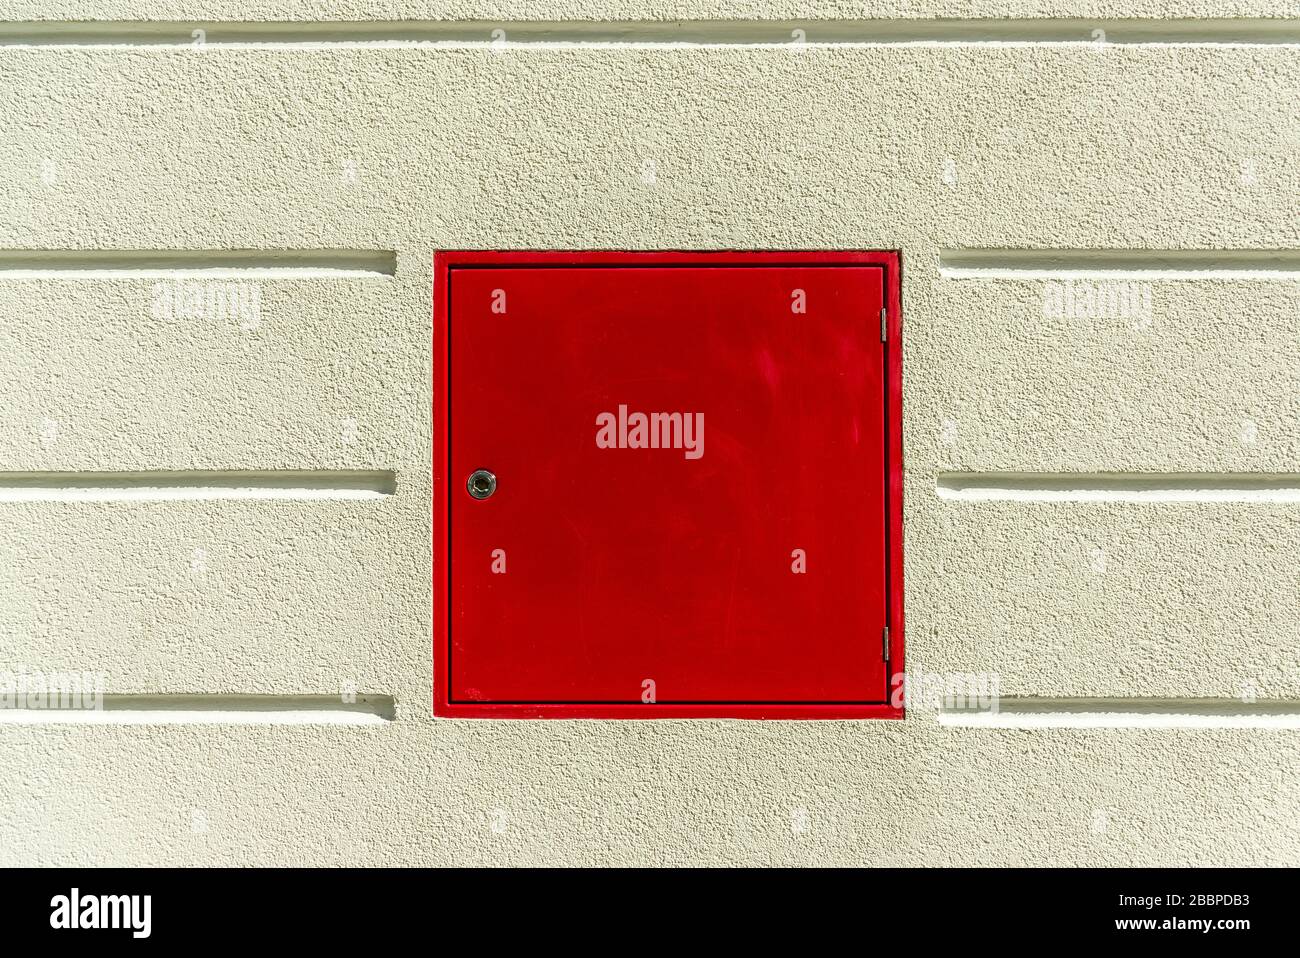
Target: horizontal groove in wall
(1118,264)
(1126,713)
(204,710)
(211,484)
(659,33)
(1118,487)
(197,264)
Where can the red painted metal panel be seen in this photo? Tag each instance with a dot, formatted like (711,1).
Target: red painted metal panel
(698,499)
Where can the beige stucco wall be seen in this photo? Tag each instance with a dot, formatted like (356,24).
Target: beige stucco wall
(917,148)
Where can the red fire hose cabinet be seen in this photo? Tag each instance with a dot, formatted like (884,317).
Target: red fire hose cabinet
(667,485)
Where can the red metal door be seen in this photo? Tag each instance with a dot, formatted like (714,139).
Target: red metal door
(691,509)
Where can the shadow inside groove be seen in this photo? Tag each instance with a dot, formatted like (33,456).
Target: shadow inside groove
(1174,487)
(73,703)
(305,261)
(383,706)
(1118,260)
(198,484)
(1136,706)
(1033,30)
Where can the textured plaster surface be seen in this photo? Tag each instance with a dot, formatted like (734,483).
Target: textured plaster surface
(560,10)
(889,148)
(659,793)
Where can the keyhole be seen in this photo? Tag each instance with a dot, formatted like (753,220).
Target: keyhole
(481,484)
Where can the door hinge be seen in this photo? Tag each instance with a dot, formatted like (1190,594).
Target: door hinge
(884,324)
(885,642)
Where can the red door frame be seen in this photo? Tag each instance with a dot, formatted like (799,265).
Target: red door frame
(445,261)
